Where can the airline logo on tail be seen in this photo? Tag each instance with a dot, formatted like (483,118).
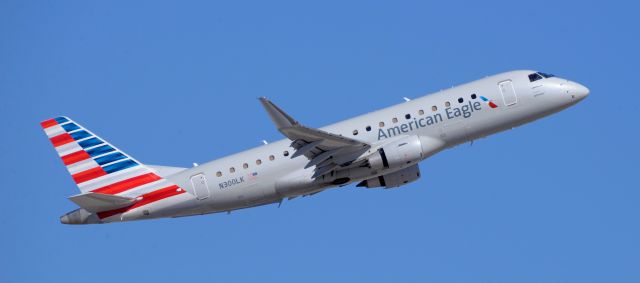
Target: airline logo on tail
(110,181)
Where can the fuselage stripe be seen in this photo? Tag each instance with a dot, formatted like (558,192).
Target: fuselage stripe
(147,198)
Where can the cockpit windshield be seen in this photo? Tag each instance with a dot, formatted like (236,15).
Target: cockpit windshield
(538,76)
(546,75)
(534,77)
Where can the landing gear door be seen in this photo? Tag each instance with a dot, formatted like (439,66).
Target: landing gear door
(508,93)
(200,187)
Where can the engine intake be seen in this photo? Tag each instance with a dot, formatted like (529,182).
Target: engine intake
(397,154)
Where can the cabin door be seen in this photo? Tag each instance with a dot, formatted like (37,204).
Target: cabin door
(200,187)
(508,93)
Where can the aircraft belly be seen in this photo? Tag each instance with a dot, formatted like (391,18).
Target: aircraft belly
(297,183)
(164,208)
(252,193)
(255,193)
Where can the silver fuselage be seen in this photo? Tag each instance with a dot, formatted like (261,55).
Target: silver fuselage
(436,118)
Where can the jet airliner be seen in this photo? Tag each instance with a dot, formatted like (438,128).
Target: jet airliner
(380,149)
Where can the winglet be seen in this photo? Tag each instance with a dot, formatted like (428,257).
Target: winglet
(277,115)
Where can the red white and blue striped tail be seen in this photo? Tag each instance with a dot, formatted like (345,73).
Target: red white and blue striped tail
(98,167)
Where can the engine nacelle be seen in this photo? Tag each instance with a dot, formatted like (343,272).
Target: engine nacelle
(393,180)
(397,154)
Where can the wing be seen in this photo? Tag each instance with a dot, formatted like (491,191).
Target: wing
(326,151)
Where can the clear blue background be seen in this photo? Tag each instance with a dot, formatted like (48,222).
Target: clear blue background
(176,82)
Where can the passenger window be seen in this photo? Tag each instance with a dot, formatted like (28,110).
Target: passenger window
(460,100)
(355,132)
(434,108)
(394,120)
(420,112)
(272,158)
(534,77)
(474,96)
(381,124)
(258,162)
(219,174)
(232,170)
(408,116)
(245,166)
(285,153)
(368,128)
(447,104)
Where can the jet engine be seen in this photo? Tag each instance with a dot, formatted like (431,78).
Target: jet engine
(397,154)
(393,180)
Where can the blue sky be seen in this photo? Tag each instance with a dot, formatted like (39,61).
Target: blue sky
(173,83)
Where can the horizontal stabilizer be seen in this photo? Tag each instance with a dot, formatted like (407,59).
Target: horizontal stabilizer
(96,202)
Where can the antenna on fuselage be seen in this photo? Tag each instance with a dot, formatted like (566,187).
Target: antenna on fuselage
(406,99)
(264,142)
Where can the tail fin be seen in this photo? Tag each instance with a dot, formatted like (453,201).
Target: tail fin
(98,167)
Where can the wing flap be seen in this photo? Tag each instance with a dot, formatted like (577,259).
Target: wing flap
(96,202)
(329,140)
(307,148)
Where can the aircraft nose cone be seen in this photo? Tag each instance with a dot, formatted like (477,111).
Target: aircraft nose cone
(579,91)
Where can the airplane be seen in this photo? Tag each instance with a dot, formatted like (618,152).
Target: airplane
(380,149)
